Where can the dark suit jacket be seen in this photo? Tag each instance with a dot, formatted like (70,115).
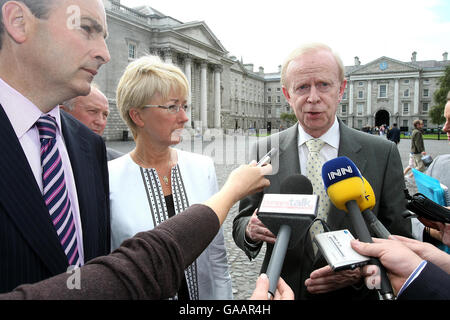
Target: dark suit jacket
(30,250)
(394,135)
(432,284)
(379,162)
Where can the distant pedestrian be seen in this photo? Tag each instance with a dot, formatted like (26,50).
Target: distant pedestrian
(394,134)
(417,145)
(382,131)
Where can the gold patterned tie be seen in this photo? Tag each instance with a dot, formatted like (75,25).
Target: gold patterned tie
(314,174)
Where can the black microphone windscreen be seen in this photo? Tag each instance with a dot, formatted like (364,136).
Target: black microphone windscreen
(296,184)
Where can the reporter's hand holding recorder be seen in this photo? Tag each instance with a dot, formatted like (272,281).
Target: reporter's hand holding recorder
(404,260)
(416,270)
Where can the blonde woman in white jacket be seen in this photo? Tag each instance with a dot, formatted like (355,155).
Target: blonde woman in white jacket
(156,181)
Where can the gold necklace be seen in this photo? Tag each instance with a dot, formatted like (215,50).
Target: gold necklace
(165,178)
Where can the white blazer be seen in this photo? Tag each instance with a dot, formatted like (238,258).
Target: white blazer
(130,214)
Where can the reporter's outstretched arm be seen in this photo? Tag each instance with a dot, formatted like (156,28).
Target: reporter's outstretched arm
(151,264)
(242,182)
(148,266)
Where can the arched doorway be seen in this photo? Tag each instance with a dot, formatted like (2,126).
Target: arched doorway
(382,117)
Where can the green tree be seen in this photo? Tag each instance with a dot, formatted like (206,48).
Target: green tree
(289,117)
(440,96)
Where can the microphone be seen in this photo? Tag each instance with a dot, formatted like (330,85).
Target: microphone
(366,203)
(288,215)
(345,186)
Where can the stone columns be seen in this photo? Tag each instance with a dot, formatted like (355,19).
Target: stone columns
(167,55)
(369,98)
(416,97)
(396,95)
(350,105)
(204,95)
(217,97)
(188,73)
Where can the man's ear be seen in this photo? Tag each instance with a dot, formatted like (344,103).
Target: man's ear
(342,89)
(16,17)
(286,93)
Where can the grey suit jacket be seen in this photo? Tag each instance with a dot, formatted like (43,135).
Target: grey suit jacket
(379,162)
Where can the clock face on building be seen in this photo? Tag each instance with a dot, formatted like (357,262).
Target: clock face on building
(383,65)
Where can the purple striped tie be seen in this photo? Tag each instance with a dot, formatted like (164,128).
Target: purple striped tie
(55,192)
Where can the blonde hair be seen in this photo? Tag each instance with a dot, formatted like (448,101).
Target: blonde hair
(142,79)
(310,47)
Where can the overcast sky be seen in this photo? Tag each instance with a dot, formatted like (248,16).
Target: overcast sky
(263,32)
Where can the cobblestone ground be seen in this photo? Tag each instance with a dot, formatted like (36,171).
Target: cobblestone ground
(244,272)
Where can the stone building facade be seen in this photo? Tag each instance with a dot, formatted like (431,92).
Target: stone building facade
(191,46)
(276,103)
(243,103)
(387,91)
(228,94)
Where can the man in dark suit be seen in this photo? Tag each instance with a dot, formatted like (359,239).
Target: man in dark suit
(53,210)
(313,84)
(394,134)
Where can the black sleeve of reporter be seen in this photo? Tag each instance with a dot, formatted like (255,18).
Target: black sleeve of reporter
(148,266)
(433,283)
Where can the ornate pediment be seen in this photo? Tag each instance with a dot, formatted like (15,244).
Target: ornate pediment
(384,65)
(200,31)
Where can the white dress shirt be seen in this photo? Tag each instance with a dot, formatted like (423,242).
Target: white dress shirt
(329,150)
